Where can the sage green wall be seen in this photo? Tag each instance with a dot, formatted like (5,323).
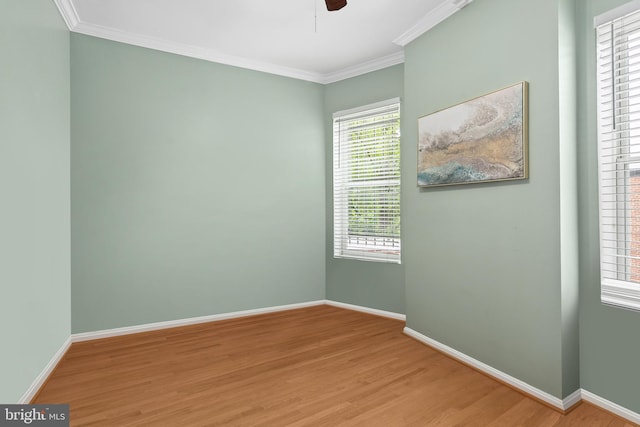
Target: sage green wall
(483,262)
(197,188)
(34,184)
(569,249)
(609,344)
(369,284)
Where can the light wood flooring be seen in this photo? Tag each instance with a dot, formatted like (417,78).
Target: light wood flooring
(318,366)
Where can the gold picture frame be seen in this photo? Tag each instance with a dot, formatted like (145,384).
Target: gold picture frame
(484,139)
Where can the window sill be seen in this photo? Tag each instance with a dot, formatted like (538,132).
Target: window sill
(620,294)
(361,257)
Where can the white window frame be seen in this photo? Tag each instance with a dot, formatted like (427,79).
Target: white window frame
(618,101)
(379,245)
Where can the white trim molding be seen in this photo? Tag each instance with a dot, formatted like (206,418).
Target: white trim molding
(616,13)
(430,20)
(620,293)
(71,18)
(561,404)
(607,405)
(44,375)
(68,12)
(374,311)
(235,61)
(193,51)
(572,400)
(108,333)
(364,68)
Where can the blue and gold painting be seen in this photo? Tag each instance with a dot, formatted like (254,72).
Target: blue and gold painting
(481,140)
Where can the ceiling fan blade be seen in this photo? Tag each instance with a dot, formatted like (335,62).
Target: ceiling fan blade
(335,4)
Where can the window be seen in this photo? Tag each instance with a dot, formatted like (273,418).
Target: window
(366,182)
(618,77)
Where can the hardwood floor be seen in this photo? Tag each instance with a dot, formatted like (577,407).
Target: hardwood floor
(318,366)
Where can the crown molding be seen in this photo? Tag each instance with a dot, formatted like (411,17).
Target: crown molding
(364,67)
(437,15)
(430,20)
(236,61)
(68,12)
(193,51)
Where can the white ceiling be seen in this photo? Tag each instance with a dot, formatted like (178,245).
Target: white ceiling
(295,38)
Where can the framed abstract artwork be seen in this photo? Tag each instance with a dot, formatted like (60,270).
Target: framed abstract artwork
(481,140)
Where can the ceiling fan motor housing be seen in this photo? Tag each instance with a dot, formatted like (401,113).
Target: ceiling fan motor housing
(335,4)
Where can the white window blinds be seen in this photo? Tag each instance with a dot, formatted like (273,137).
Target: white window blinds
(366,182)
(618,81)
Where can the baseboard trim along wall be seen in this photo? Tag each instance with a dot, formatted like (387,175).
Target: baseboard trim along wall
(367,310)
(607,405)
(107,333)
(572,400)
(42,378)
(562,405)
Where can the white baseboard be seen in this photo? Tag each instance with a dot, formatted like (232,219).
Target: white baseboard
(42,377)
(86,336)
(572,400)
(107,333)
(563,405)
(367,310)
(607,405)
